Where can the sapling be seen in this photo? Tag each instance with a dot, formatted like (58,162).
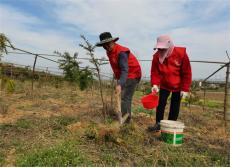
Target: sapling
(97,63)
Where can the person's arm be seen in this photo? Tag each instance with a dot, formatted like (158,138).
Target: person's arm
(155,72)
(123,64)
(186,74)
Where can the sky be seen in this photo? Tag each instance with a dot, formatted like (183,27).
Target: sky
(45,26)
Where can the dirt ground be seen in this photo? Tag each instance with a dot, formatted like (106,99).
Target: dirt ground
(32,120)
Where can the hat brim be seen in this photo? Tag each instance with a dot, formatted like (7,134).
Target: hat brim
(161,46)
(101,43)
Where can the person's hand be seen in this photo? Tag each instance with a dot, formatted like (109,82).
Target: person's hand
(184,95)
(155,88)
(118,89)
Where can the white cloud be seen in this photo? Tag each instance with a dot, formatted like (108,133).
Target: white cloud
(22,30)
(203,45)
(120,17)
(212,7)
(17,26)
(136,22)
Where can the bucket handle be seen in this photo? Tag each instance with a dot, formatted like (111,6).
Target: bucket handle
(154,92)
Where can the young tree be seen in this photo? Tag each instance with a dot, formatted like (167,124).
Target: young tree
(85,78)
(73,72)
(97,63)
(69,65)
(4,43)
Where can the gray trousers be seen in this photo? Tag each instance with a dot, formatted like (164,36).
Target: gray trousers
(127,95)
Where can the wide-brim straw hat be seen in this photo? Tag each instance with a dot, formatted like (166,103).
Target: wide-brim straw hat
(106,37)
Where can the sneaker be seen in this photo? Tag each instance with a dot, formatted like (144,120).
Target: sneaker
(155,128)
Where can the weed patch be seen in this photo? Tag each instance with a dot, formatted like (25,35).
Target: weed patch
(2,159)
(66,154)
(59,123)
(140,109)
(24,124)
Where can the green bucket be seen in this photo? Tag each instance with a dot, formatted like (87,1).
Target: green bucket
(172,132)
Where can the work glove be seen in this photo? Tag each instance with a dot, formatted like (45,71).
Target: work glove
(155,88)
(118,89)
(184,95)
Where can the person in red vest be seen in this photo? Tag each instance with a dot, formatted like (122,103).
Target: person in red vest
(126,69)
(170,73)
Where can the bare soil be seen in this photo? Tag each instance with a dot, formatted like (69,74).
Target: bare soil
(40,119)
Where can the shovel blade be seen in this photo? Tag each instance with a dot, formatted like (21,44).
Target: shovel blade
(124,118)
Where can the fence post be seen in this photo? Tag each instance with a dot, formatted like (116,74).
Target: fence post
(35,60)
(11,71)
(46,79)
(204,96)
(112,91)
(226,111)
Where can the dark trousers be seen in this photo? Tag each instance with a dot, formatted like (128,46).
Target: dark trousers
(174,105)
(127,95)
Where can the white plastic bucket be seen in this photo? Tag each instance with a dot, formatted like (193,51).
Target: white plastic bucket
(172,132)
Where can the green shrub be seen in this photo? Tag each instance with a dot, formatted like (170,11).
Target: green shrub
(10,86)
(85,79)
(73,72)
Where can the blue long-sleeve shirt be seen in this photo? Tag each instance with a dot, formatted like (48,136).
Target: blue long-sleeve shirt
(123,64)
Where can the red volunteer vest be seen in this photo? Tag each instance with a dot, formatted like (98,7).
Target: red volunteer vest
(175,73)
(133,65)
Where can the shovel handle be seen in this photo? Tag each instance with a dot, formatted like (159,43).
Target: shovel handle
(118,106)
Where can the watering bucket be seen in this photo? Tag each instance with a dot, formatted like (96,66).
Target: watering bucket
(150,101)
(172,132)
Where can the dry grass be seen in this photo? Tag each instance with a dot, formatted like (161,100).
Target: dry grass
(49,119)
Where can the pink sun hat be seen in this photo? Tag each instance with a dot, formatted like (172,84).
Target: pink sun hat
(163,42)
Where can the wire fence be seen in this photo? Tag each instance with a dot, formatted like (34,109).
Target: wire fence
(204,84)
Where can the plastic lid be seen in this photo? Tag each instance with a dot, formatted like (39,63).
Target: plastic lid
(172,124)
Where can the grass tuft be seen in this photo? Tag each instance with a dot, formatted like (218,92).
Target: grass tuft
(66,154)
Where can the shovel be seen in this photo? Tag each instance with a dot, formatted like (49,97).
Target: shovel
(118,109)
